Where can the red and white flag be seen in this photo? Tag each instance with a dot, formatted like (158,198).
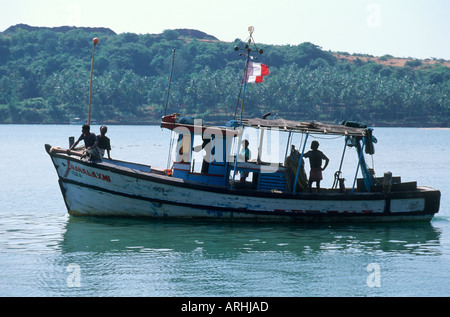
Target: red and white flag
(256,71)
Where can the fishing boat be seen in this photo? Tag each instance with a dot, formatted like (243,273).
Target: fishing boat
(210,177)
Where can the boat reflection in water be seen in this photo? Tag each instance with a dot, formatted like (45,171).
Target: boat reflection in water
(216,239)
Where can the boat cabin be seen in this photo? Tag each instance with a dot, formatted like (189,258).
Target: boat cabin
(220,155)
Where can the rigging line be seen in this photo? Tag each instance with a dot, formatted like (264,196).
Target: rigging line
(301,142)
(170,81)
(239,96)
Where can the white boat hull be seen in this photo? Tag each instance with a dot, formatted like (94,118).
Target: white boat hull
(106,189)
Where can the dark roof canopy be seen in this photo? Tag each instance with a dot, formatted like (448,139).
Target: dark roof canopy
(303,127)
(346,129)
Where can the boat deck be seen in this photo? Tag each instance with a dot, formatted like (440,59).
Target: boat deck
(396,186)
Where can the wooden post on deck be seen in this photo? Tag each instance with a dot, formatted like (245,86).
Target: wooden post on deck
(300,163)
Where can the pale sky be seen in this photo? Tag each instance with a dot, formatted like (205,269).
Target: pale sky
(402,28)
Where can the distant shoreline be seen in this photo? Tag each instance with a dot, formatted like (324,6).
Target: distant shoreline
(442,126)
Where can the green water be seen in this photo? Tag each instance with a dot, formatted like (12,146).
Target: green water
(46,253)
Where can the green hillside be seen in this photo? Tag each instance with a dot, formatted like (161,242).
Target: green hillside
(44,78)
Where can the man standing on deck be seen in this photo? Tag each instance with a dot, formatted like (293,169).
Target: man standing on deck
(90,143)
(315,161)
(244,156)
(104,143)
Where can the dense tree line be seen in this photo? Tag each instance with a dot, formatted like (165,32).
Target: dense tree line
(44,78)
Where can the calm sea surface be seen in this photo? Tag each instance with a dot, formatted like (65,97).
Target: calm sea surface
(45,252)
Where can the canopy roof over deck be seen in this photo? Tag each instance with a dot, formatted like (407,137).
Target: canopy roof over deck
(346,129)
(307,127)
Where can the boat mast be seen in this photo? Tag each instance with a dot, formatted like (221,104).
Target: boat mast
(247,52)
(245,75)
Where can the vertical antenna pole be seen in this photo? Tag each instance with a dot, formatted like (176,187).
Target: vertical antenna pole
(95,41)
(300,164)
(361,157)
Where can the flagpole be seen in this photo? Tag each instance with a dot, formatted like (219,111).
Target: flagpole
(240,92)
(245,79)
(251,29)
